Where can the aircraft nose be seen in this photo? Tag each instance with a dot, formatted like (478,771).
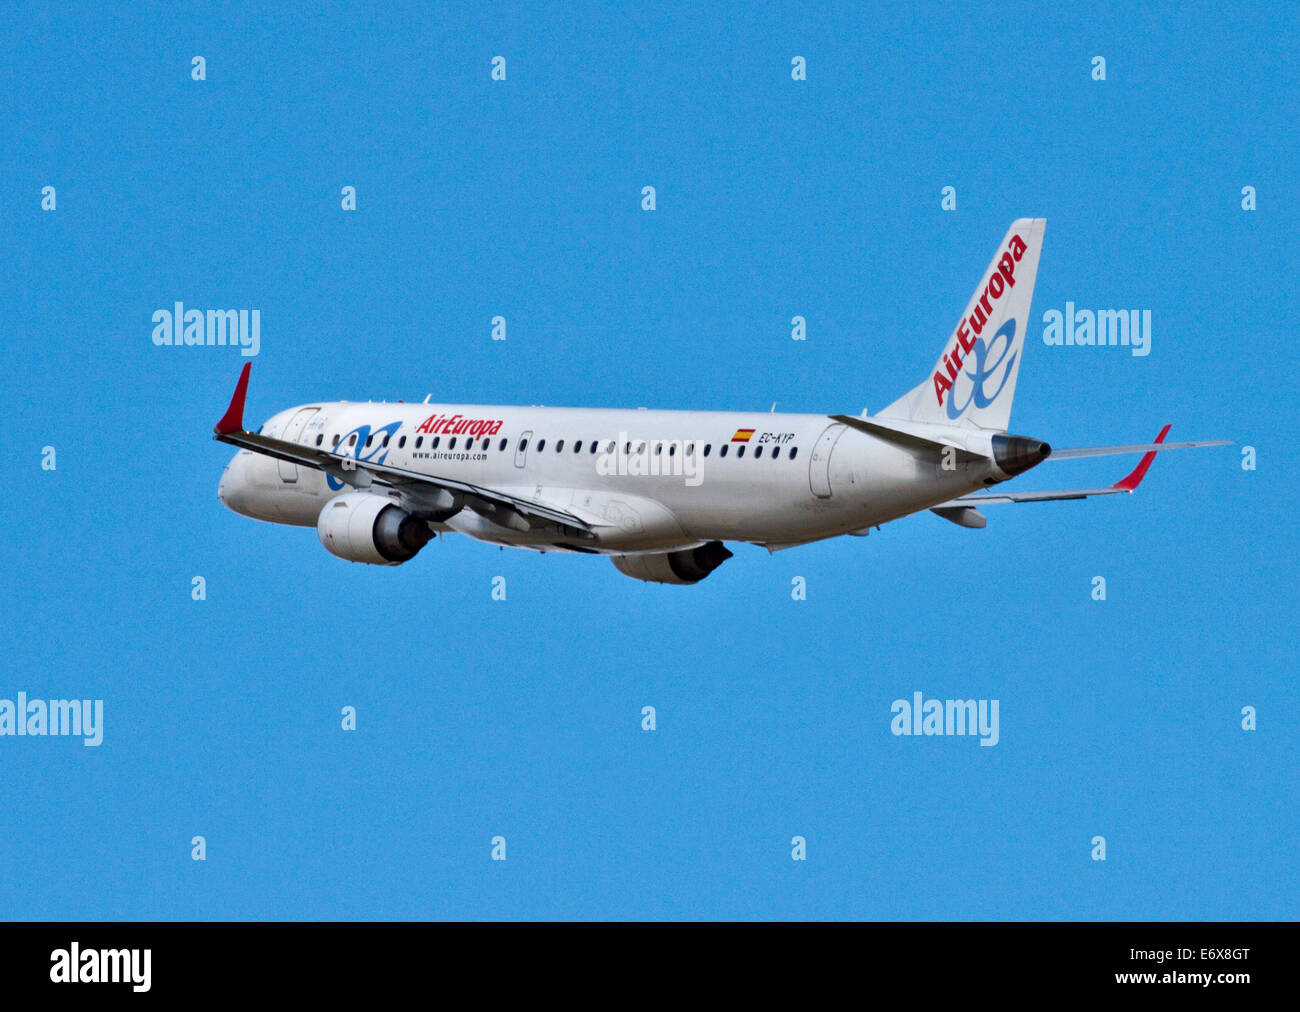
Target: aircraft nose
(233,487)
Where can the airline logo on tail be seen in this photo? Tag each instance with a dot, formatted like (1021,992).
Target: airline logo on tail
(990,358)
(974,380)
(984,368)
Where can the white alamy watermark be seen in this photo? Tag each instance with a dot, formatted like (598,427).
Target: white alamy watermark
(221,328)
(1100,328)
(670,458)
(83,718)
(75,965)
(923,716)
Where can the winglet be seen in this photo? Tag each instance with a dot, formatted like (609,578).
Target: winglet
(233,419)
(1139,472)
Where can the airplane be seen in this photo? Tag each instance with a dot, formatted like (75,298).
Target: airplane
(661,492)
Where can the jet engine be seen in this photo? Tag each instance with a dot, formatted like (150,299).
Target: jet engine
(690,565)
(363,527)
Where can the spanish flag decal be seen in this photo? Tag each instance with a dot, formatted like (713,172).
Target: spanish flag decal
(742,435)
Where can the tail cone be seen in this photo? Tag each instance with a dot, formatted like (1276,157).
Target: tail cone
(1017,454)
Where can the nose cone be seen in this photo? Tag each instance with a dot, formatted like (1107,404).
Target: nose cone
(233,490)
(1017,454)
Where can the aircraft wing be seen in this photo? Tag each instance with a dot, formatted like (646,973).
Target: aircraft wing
(1107,451)
(425,491)
(1127,484)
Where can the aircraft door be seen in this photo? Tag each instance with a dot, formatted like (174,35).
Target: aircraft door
(819,461)
(521,454)
(289,471)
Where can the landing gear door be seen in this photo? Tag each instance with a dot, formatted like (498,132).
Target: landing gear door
(288,470)
(521,454)
(819,461)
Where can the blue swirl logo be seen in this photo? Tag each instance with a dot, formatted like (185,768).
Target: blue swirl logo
(377,454)
(985,366)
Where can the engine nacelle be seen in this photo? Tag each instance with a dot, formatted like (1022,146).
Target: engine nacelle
(690,565)
(363,527)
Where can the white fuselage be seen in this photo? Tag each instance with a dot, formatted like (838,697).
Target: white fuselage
(795,479)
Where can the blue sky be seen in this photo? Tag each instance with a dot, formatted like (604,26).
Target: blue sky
(521,718)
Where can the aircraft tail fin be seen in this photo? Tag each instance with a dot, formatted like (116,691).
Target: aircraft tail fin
(974,381)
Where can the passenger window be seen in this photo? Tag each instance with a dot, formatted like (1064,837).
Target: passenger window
(523,445)
(501,445)
(776,452)
(672,449)
(793,451)
(707,448)
(320,439)
(436,441)
(401,443)
(352,439)
(659,448)
(722,450)
(577,447)
(541,445)
(559,447)
(336,441)
(740,450)
(627,450)
(758,452)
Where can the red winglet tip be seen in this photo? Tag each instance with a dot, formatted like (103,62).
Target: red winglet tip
(233,419)
(1138,473)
